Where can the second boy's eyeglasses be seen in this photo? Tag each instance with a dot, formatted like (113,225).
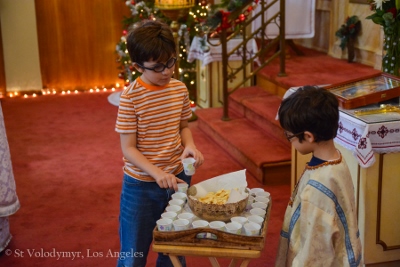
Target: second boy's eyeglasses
(160,67)
(290,136)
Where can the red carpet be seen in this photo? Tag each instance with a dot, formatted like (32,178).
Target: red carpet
(315,68)
(67,165)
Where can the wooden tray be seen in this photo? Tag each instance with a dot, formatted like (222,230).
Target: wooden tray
(207,237)
(369,90)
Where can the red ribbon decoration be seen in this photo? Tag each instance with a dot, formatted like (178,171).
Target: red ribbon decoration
(225,23)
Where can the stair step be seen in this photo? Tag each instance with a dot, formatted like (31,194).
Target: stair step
(260,107)
(241,94)
(259,151)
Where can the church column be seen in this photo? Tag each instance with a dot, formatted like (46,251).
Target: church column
(20,45)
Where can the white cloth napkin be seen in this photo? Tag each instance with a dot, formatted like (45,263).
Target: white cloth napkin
(300,19)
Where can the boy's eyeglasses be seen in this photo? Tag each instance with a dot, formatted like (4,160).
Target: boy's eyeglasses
(160,67)
(290,136)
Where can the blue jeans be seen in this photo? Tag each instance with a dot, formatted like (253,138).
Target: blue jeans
(141,206)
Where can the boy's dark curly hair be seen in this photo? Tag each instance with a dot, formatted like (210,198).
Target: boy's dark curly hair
(311,109)
(150,41)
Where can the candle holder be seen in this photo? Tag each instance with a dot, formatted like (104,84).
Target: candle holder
(175,9)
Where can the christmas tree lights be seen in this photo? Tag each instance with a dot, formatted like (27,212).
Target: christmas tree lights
(189,27)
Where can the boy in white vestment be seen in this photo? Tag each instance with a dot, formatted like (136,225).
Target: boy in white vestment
(320,223)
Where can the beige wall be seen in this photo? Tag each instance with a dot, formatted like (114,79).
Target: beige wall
(20,45)
(369,42)
(330,15)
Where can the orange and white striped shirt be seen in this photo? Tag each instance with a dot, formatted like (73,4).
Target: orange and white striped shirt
(154,113)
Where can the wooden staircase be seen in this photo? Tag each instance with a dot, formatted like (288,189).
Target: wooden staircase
(252,136)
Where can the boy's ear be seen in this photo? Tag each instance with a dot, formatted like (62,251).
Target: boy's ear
(137,67)
(309,137)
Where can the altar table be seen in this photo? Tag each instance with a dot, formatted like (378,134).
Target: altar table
(212,253)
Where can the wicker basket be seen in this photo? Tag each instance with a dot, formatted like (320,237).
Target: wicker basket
(216,212)
(207,237)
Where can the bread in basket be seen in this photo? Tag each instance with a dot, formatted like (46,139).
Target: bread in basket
(215,212)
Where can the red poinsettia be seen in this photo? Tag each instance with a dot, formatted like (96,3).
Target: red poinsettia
(385,13)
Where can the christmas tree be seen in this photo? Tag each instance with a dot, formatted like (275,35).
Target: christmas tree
(189,27)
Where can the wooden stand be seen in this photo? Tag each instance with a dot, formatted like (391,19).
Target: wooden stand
(212,253)
(226,245)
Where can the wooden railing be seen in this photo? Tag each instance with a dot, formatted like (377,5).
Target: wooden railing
(267,49)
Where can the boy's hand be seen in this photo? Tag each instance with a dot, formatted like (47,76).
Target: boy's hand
(196,154)
(168,180)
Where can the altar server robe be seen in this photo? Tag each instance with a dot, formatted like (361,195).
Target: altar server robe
(320,224)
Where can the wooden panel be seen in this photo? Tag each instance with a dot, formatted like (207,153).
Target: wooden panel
(77,41)
(203,85)
(388,186)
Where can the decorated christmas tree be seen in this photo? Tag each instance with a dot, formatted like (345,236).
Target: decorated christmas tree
(189,27)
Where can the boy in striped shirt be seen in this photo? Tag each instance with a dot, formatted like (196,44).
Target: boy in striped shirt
(153,126)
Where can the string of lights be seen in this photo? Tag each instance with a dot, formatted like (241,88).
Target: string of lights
(45,92)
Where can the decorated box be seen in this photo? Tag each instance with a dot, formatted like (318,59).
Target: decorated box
(369,90)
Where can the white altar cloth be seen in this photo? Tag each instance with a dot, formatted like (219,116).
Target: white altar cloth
(366,138)
(300,19)
(215,52)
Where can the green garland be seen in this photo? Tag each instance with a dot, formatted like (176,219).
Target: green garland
(349,30)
